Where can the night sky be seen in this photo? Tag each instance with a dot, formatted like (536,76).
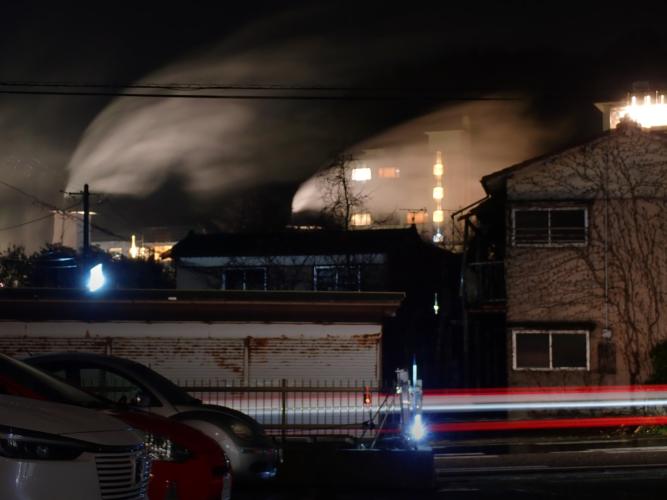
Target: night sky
(195,162)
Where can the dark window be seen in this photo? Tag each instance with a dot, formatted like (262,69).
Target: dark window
(244,279)
(568,226)
(341,278)
(568,350)
(531,227)
(234,280)
(325,279)
(549,226)
(532,350)
(551,350)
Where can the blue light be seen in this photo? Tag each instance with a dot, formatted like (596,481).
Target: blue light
(418,429)
(96,279)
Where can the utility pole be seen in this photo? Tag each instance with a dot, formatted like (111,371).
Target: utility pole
(85,194)
(86,221)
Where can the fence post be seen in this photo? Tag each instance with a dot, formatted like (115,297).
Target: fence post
(283,407)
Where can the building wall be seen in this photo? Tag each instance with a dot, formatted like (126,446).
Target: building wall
(620,179)
(194,352)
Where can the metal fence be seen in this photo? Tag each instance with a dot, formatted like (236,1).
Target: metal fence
(343,407)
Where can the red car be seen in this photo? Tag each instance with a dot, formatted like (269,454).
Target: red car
(186,464)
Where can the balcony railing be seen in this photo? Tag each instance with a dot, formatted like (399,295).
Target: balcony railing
(484,282)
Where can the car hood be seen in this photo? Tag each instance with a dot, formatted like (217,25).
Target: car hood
(225,416)
(221,411)
(61,419)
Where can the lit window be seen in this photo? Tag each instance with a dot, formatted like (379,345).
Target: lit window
(438,169)
(549,226)
(438,193)
(361,174)
(438,215)
(389,172)
(362,219)
(550,350)
(418,217)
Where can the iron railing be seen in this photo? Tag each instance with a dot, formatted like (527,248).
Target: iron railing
(308,407)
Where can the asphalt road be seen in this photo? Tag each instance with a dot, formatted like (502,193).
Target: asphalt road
(581,469)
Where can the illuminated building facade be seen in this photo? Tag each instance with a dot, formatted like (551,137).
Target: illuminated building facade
(647,108)
(403,184)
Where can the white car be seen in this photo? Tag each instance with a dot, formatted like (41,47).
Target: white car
(252,455)
(53,451)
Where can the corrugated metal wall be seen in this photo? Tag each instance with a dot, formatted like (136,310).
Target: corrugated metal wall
(22,347)
(204,354)
(185,360)
(300,359)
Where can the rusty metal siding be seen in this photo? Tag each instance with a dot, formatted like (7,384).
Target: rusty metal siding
(21,347)
(185,360)
(196,353)
(353,358)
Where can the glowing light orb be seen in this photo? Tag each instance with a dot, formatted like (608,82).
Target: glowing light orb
(418,429)
(96,279)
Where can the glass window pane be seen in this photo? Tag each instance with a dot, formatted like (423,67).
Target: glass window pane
(531,227)
(532,350)
(569,350)
(120,389)
(255,279)
(234,279)
(325,278)
(348,278)
(91,379)
(568,226)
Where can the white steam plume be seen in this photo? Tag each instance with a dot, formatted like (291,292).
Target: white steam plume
(218,144)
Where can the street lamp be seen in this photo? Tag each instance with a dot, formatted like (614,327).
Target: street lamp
(96,278)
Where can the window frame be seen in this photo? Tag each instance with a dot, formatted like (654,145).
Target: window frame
(223,283)
(551,333)
(338,269)
(550,243)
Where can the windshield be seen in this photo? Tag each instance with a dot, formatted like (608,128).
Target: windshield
(20,379)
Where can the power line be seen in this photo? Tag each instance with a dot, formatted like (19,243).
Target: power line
(65,212)
(257,97)
(25,223)
(249,91)
(220,86)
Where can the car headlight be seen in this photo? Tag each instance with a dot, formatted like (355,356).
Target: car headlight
(30,445)
(164,449)
(242,430)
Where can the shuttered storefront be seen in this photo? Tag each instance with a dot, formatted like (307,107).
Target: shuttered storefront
(301,360)
(197,353)
(186,361)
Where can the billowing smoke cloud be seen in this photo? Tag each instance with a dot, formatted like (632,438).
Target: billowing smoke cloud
(220,145)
